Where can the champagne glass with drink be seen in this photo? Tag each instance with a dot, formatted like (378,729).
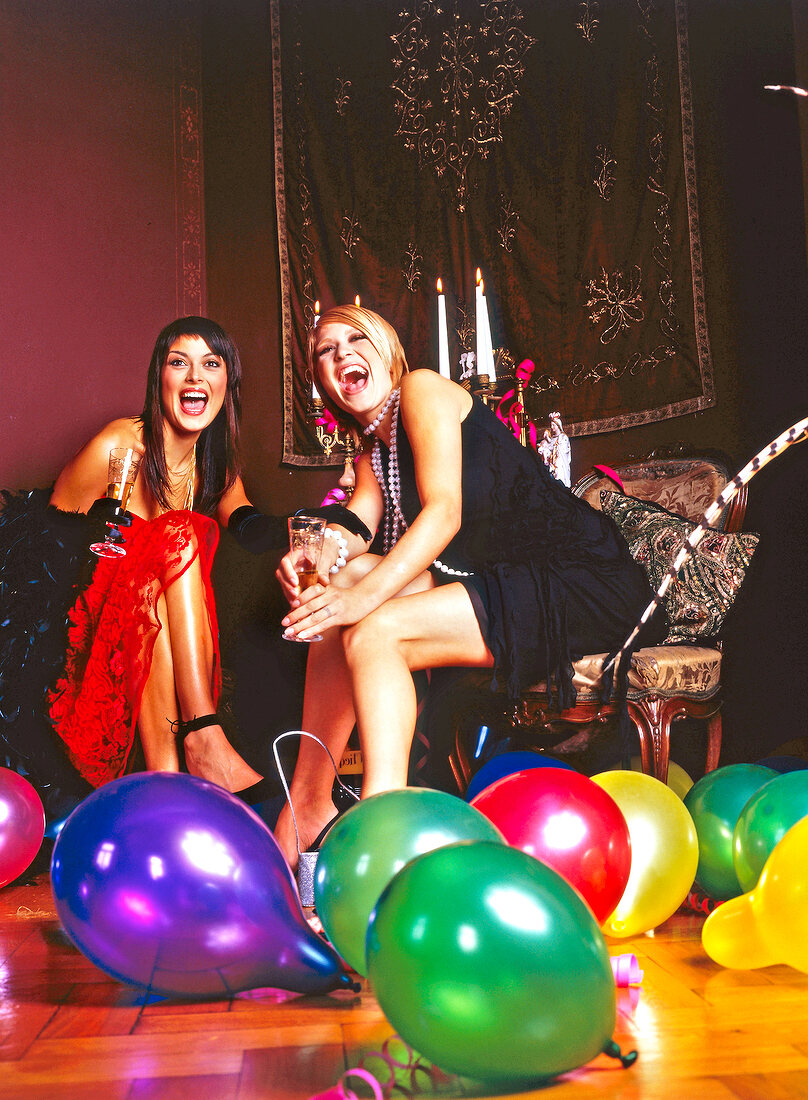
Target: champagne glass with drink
(124,463)
(306,538)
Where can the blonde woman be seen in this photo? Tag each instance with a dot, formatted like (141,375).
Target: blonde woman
(487,561)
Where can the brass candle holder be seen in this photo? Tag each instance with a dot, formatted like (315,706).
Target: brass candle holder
(333,440)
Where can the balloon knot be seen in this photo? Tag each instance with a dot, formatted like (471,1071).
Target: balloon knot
(613,1051)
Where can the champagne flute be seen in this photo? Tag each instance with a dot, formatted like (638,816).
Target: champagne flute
(306,539)
(124,463)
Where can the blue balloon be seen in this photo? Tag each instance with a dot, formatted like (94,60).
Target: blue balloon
(506,764)
(784,764)
(172,884)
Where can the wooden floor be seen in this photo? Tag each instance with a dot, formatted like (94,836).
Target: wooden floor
(67,1031)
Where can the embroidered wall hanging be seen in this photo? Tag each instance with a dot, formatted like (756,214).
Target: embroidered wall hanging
(550,145)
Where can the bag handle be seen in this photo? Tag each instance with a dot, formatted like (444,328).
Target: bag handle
(303,733)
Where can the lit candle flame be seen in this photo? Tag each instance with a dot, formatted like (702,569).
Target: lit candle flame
(317,306)
(357,301)
(440,287)
(479,277)
(784,88)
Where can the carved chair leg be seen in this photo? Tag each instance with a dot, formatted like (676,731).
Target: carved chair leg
(652,718)
(713,741)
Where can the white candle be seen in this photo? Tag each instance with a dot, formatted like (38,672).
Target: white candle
(479,324)
(443,334)
(315,396)
(489,348)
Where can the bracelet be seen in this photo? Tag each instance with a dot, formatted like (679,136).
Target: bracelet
(342,543)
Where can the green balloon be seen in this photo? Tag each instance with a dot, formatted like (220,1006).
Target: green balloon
(765,820)
(715,803)
(491,965)
(371,843)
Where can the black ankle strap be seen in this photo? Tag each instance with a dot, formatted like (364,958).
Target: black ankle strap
(182,729)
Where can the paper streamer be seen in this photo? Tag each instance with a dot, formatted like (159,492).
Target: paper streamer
(626,970)
(510,417)
(340,1091)
(395,1075)
(795,434)
(607,471)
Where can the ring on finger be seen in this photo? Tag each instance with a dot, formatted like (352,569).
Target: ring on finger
(327,612)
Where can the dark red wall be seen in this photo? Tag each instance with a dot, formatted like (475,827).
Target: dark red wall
(93,264)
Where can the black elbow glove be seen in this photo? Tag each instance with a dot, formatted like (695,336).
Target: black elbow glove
(344,517)
(256,531)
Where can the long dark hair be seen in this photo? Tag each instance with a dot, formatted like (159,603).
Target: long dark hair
(217,452)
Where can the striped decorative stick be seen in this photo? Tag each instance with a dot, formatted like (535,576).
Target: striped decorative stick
(794,435)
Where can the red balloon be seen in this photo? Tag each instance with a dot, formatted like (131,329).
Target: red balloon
(22,825)
(569,823)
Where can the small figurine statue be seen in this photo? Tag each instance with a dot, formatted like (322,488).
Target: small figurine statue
(554,447)
(467,360)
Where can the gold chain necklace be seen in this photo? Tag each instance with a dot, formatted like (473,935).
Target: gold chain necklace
(190,482)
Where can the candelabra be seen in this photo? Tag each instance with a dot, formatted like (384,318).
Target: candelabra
(331,440)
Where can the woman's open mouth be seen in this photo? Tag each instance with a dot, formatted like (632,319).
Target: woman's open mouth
(193,402)
(353,378)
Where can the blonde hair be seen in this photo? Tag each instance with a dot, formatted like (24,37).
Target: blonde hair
(382,336)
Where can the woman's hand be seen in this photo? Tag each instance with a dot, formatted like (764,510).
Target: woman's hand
(288,579)
(322,607)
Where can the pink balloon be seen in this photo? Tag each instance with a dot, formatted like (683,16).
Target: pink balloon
(563,819)
(22,825)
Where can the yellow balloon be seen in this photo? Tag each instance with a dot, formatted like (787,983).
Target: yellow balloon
(768,925)
(664,851)
(731,937)
(780,899)
(678,779)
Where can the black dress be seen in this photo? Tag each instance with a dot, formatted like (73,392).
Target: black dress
(553,578)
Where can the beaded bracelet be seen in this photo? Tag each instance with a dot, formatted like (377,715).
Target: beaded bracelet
(342,543)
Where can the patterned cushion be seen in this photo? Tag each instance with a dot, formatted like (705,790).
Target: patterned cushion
(708,581)
(670,670)
(684,486)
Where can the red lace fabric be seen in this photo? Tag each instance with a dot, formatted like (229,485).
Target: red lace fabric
(113,626)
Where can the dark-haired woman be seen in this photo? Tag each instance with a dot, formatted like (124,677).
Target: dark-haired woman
(142,655)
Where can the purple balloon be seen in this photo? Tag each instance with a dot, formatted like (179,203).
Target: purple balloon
(170,883)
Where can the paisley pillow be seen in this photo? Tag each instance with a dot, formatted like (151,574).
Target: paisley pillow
(706,585)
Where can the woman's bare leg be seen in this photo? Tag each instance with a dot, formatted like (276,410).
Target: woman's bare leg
(430,629)
(158,705)
(208,753)
(328,712)
(181,683)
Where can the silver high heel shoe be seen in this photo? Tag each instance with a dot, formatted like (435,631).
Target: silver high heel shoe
(307,861)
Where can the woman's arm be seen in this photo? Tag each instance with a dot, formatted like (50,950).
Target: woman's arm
(432,411)
(84,478)
(367,504)
(234,498)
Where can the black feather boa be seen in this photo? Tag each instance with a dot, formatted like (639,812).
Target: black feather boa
(44,565)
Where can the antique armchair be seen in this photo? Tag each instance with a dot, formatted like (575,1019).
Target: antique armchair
(665,682)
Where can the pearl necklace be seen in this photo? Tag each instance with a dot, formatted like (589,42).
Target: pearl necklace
(394,522)
(382,414)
